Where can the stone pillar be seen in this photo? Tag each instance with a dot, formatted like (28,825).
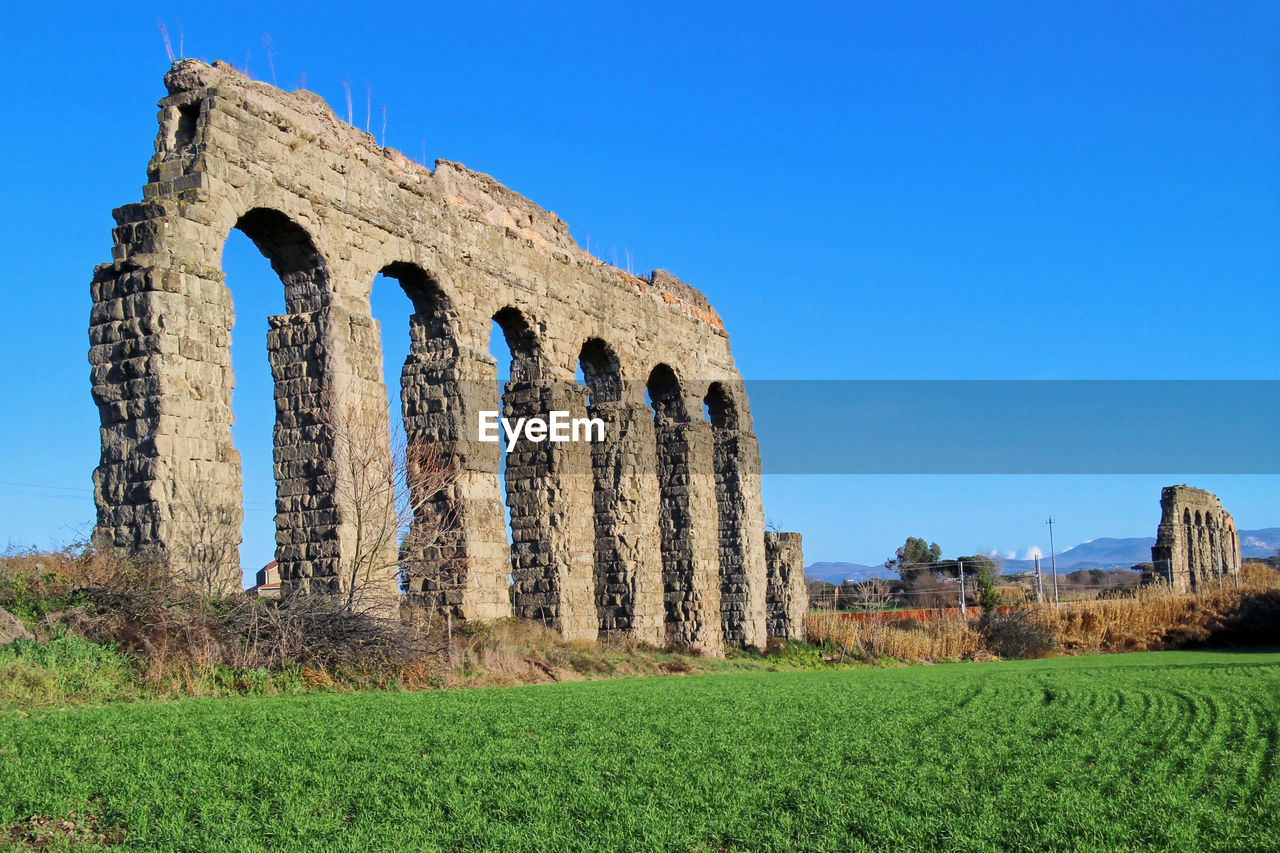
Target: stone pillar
(549,493)
(466,561)
(628,583)
(741,545)
(307,545)
(690,534)
(168,485)
(1213,550)
(788,603)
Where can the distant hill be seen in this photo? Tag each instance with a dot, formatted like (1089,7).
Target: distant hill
(838,573)
(1260,543)
(1102,553)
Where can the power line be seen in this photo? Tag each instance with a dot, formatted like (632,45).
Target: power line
(45,486)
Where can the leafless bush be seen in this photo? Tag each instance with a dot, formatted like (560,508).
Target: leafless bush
(177,635)
(873,594)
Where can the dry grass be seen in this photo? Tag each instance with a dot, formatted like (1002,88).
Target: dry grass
(163,640)
(1155,618)
(512,651)
(1150,619)
(903,639)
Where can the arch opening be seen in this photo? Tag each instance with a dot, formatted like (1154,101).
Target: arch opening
(406,298)
(272,480)
(522,345)
(598,370)
(665,396)
(432,319)
(292,254)
(719,408)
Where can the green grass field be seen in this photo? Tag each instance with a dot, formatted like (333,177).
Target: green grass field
(1162,751)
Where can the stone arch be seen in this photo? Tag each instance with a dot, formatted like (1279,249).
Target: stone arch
(622,497)
(598,396)
(1203,549)
(1195,539)
(237,152)
(292,254)
(433,551)
(1188,562)
(526,351)
(601,372)
(307,547)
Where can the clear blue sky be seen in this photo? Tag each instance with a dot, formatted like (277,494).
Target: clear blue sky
(863,190)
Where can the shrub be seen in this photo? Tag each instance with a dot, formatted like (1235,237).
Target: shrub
(1016,635)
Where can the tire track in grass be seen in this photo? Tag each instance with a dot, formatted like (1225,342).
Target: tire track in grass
(949,757)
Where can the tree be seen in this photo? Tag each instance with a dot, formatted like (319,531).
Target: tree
(871,594)
(209,567)
(979,566)
(983,572)
(395,500)
(914,557)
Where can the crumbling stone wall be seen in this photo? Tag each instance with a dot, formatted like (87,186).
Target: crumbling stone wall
(788,597)
(1196,542)
(656,533)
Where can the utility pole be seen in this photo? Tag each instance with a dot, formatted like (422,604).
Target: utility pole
(960,563)
(1053,561)
(1039,582)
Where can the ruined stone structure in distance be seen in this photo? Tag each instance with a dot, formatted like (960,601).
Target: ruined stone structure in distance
(656,532)
(1196,543)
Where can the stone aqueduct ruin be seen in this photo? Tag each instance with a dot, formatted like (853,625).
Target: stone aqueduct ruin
(656,532)
(1196,542)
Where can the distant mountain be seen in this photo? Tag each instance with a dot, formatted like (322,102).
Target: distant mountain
(1103,553)
(1260,543)
(838,573)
